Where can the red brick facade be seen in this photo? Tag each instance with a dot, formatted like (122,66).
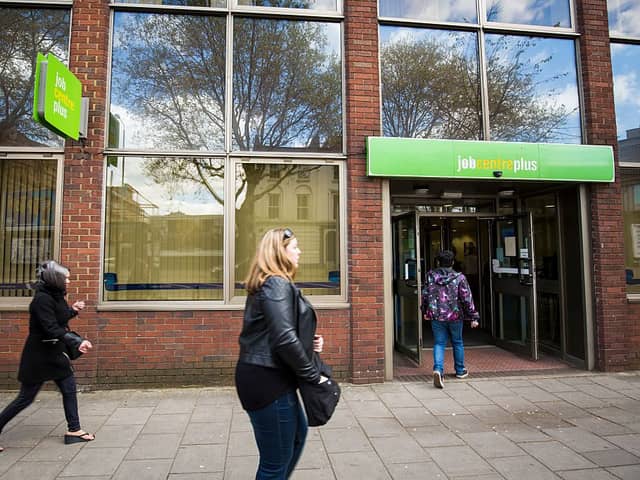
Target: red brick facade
(614,318)
(189,347)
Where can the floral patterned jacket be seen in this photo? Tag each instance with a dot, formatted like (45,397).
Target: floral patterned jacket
(446,296)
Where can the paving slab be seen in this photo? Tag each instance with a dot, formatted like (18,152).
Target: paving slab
(566,426)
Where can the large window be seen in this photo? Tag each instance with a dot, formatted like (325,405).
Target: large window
(479,81)
(430,83)
(194,90)
(27,221)
(316,230)
(624,26)
(23,33)
(533,89)
(164,228)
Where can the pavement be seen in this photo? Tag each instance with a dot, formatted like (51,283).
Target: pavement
(571,426)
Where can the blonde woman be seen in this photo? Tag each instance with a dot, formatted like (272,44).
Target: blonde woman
(276,351)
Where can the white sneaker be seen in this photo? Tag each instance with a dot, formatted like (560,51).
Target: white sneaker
(437,379)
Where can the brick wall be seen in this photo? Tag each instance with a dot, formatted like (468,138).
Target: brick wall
(133,348)
(613,322)
(365,194)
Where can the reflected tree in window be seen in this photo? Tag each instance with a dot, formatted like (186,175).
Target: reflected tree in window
(533,93)
(24,33)
(430,85)
(168,82)
(287,86)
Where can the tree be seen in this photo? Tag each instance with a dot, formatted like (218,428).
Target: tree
(287,95)
(431,89)
(23,33)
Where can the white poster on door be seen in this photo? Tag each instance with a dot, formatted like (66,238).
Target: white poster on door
(635,239)
(510,246)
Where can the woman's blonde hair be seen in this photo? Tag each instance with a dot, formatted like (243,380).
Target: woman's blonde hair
(271,259)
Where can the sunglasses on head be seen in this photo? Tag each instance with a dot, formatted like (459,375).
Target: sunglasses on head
(287,234)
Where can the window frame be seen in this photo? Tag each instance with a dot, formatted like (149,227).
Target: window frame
(232,157)
(22,303)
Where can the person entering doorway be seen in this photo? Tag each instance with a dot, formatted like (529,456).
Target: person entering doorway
(447,301)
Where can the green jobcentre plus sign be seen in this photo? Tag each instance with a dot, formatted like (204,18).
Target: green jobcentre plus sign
(57,97)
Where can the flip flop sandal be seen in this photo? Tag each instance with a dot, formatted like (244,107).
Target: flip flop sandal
(69,439)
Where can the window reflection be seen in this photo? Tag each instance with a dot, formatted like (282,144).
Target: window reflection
(533,93)
(185,3)
(624,17)
(430,83)
(435,10)
(287,85)
(168,75)
(313,220)
(307,4)
(626,85)
(23,33)
(631,215)
(27,223)
(549,13)
(164,229)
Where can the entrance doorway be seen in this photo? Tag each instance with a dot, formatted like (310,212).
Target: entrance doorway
(520,272)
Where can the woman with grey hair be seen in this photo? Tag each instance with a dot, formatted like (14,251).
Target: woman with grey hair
(45,356)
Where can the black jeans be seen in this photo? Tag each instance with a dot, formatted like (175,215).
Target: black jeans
(28,394)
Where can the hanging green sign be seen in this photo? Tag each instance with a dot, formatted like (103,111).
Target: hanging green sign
(415,157)
(57,98)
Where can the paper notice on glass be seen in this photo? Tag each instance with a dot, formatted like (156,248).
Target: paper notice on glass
(510,246)
(635,239)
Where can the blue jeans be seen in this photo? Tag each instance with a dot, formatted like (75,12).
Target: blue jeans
(280,429)
(27,395)
(442,333)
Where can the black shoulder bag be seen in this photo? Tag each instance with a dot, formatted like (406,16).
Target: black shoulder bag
(319,399)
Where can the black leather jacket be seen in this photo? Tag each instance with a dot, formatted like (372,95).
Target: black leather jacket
(273,316)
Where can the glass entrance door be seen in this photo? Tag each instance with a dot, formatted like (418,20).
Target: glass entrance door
(406,286)
(514,284)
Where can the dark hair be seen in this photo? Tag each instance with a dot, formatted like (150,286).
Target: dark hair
(445,258)
(52,274)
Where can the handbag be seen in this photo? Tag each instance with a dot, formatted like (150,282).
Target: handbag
(320,400)
(72,341)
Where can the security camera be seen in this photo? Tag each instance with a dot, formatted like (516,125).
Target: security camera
(497,173)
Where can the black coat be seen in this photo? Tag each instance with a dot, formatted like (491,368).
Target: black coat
(49,315)
(278,329)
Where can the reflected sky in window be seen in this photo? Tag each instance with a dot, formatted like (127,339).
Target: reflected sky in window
(463,11)
(430,83)
(167,81)
(626,89)
(533,92)
(550,13)
(624,17)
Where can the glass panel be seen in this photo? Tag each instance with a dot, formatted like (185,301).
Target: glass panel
(435,10)
(546,241)
(533,92)
(318,235)
(631,212)
(27,221)
(185,3)
(23,33)
(430,83)
(167,82)
(548,13)
(624,17)
(407,297)
(164,228)
(287,92)
(306,4)
(626,85)
(513,318)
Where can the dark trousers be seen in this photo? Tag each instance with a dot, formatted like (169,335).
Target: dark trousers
(280,429)
(28,394)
